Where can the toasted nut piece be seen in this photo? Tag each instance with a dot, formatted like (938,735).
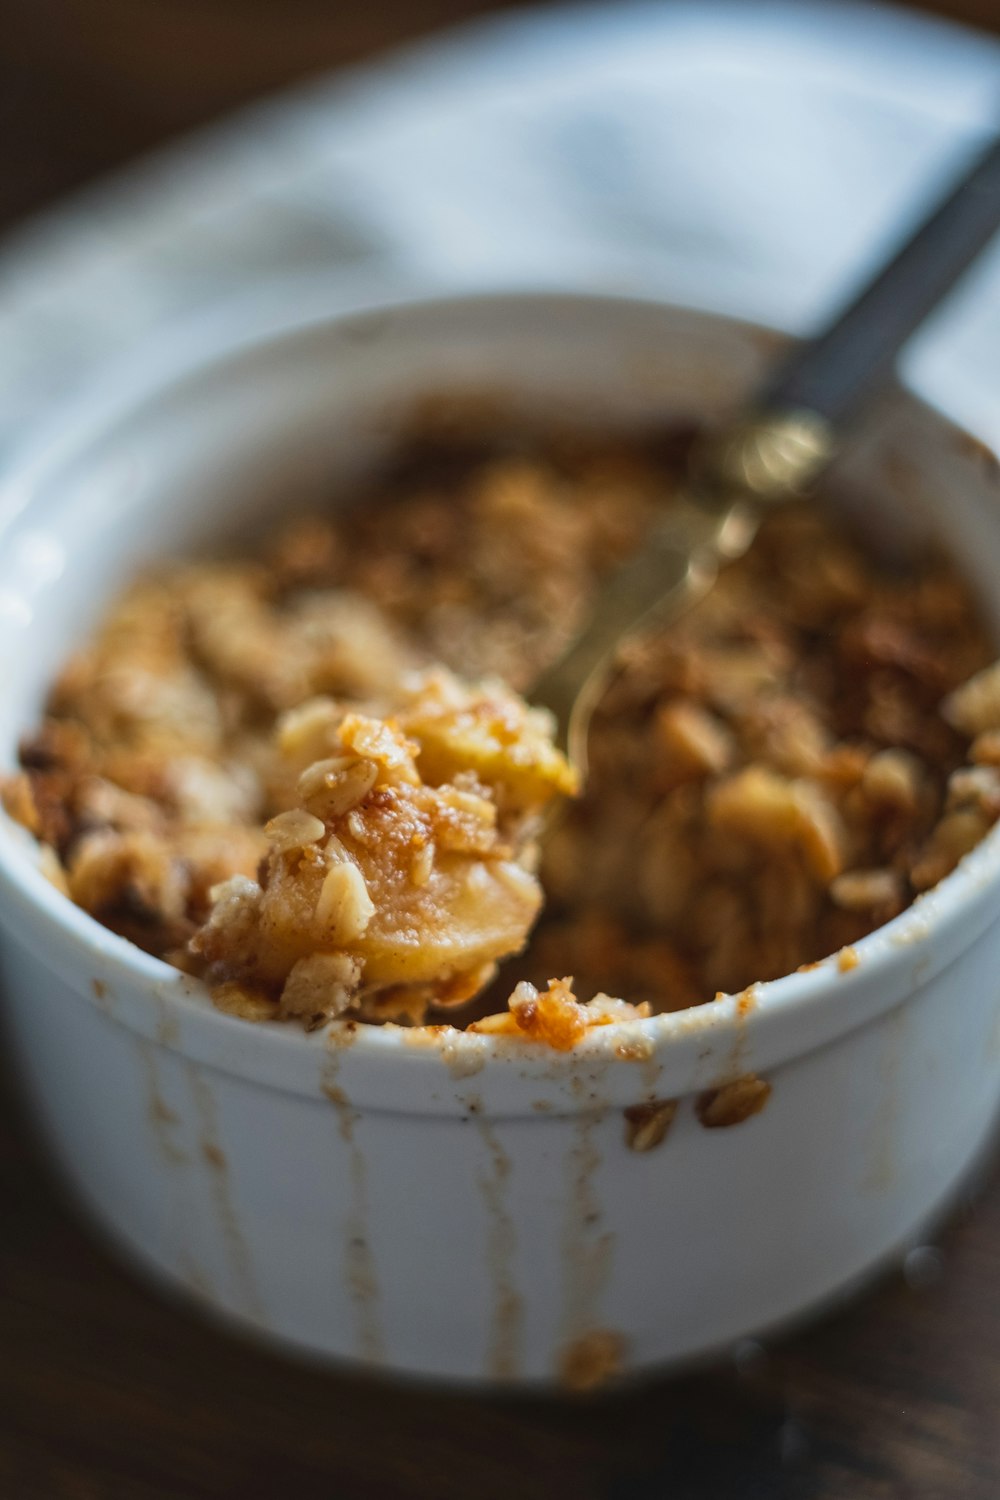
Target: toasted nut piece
(293,830)
(323,985)
(985,750)
(646,1125)
(501,1023)
(344,907)
(691,741)
(975,786)
(893,778)
(51,867)
(392,752)
(957,833)
(769,809)
(330,788)
(19,803)
(307,733)
(422,865)
(733,1103)
(243,1001)
(975,706)
(866,890)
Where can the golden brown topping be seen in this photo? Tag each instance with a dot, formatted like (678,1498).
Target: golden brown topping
(764,808)
(974,708)
(555,1016)
(383,882)
(321,986)
(260,753)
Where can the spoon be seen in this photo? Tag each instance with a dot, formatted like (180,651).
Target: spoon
(774,452)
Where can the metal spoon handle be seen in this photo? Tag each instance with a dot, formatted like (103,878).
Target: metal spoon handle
(833,375)
(777,450)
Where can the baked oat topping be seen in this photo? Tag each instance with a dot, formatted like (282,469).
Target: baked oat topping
(265,770)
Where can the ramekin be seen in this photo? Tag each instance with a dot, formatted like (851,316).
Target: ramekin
(432,1202)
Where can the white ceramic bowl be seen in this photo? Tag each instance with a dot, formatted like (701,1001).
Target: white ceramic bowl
(450,1205)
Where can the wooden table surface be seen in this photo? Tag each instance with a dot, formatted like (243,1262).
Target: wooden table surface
(109,1392)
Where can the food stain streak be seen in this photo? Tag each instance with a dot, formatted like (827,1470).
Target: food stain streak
(587,1251)
(745,1005)
(167,1022)
(161,1117)
(241,1266)
(102,994)
(504,1360)
(359,1262)
(650,1072)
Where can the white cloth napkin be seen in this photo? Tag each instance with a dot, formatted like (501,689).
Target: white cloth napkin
(752,156)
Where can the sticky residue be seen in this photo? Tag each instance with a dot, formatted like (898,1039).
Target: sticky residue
(744,1005)
(167,1022)
(593,1360)
(359,1262)
(214,1157)
(732,1102)
(650,1073)
(746,1002)
(102,995)
(847,959)
(587,1246)
(633,1045)
(504,1359)
(162,1119)
(646,1125)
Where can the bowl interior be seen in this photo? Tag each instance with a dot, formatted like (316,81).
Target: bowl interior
(180,452)
(170,460)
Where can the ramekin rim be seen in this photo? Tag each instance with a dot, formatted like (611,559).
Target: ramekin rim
(84,415)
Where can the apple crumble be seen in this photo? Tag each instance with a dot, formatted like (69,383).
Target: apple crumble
(311,776)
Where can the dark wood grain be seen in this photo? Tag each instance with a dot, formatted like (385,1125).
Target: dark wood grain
(110,1392)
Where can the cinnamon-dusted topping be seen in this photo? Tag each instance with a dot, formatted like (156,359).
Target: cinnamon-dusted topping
(733,1103)
(240,771)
